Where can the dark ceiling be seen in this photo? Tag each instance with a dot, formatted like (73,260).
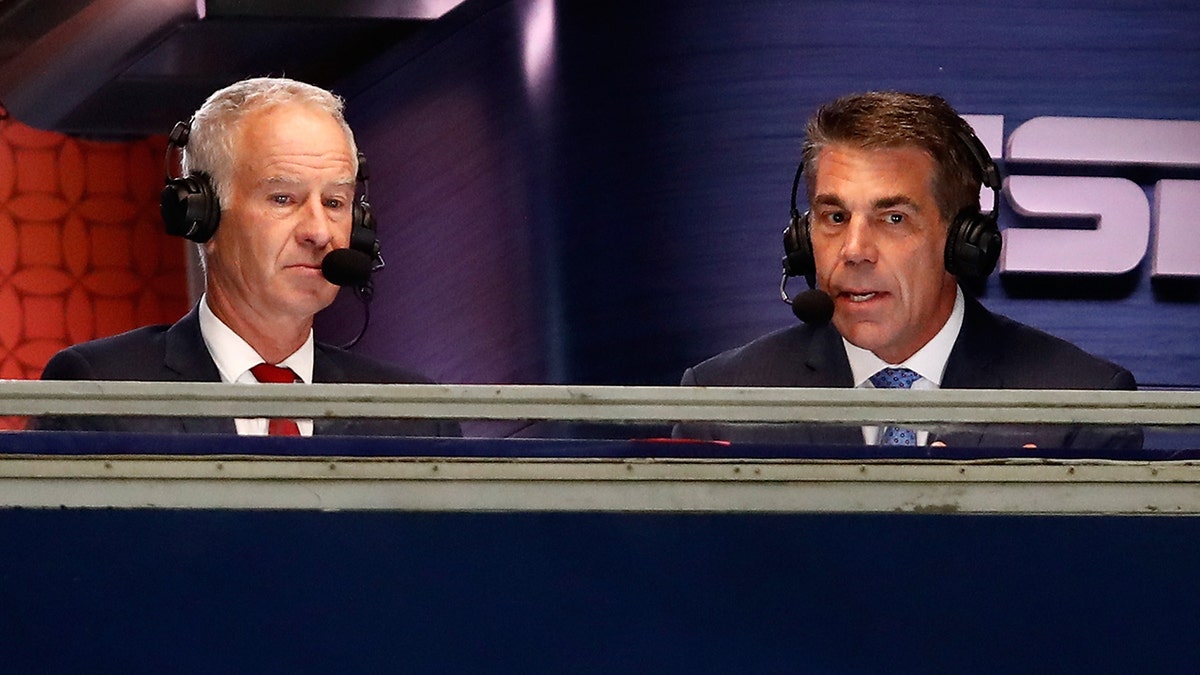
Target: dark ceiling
(119,68)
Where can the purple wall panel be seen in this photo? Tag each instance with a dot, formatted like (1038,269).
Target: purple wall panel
(450,185)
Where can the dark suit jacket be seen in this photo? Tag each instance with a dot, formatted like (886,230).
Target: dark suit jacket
(992,352)
(177,353)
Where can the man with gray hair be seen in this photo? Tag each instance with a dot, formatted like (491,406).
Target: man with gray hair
(271,169)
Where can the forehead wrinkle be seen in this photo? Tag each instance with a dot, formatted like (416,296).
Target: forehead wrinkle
(879,204)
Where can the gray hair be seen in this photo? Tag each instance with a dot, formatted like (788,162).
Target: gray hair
(210,147)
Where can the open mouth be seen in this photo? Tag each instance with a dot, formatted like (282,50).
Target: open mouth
(859,297)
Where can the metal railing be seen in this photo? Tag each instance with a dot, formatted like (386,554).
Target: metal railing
(223,479)
(602,403)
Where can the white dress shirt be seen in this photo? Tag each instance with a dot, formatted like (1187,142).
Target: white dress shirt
(929,362)
(234,359)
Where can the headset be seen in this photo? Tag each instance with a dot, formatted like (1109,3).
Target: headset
(190,209)
(972,245)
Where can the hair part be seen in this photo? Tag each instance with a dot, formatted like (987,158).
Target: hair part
(211,147)
(889,119)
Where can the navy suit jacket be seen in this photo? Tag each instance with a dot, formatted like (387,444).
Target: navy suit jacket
(177,353)
(991,352)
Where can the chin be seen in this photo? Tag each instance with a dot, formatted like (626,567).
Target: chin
(318,306)
(310,304)
(864,336)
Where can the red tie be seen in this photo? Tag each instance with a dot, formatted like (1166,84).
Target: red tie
(265,372)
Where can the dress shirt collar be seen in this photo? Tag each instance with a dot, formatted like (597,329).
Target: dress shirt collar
(929,362)
(235,357)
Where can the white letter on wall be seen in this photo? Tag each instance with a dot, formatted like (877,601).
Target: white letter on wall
(1107,142)
(1117,245)
(1176,229)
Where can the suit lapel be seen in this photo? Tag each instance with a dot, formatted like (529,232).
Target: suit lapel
(186,355)
(826,365)
(973,364)
(325,369)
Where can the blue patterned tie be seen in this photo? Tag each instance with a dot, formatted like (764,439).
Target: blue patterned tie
(896,378)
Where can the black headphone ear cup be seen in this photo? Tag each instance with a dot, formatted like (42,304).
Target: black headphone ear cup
(797,249)
(362,229)
(973,245)
(189,208)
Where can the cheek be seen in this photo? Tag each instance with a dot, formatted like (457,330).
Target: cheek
(923,263)
(341,237)
(269,239)
(923,286)
(825,260)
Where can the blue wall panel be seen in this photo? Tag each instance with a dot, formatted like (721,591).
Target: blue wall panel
(123,591)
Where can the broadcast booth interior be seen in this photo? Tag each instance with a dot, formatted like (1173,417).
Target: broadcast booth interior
(524,335)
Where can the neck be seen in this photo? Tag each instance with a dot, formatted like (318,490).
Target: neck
(272,336)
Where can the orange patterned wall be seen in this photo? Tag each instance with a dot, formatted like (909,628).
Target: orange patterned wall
(82,250)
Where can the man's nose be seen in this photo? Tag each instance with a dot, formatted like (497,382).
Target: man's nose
(316,226)
(858,245)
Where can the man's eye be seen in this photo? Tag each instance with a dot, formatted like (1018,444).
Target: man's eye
(334,203)
(837,217)
(895,218)
(280,199)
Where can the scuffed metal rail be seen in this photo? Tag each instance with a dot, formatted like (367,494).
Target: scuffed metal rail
(601,403)
(1019,487)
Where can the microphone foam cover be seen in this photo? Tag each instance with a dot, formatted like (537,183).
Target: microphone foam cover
(813,306)
(346,267)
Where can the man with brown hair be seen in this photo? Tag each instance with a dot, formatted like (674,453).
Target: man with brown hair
(893,182)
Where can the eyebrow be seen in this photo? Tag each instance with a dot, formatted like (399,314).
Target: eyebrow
(896,200)
(828,200)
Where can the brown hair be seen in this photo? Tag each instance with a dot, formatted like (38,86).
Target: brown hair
(888,119)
